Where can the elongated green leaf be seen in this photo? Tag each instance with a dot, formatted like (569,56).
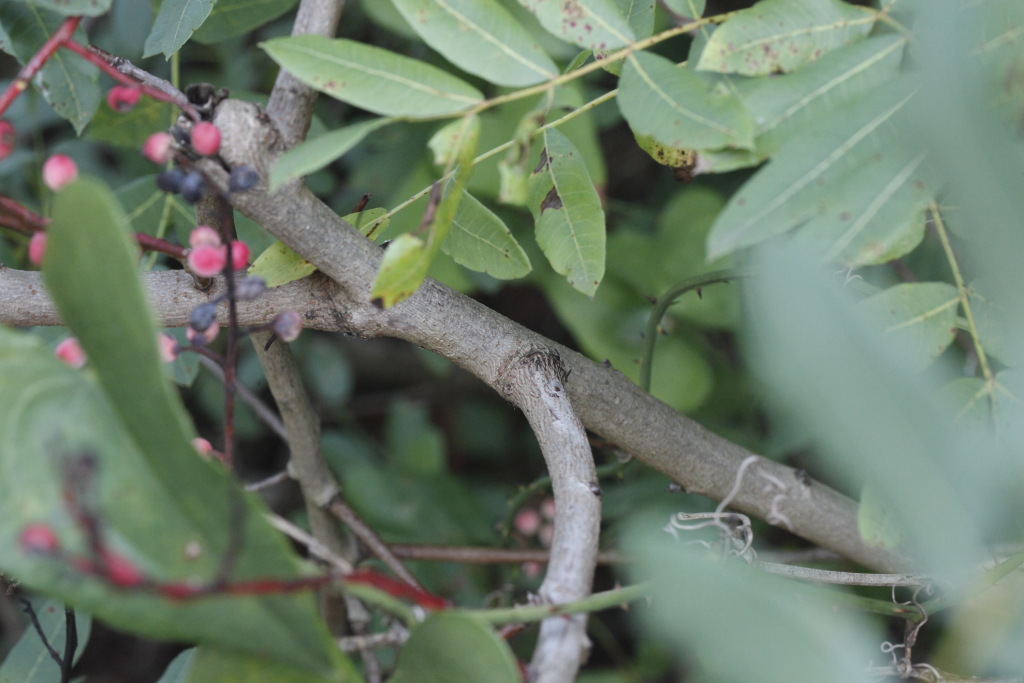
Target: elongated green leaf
(919,319)
(782,35)
(596,25)
(70,8)
(677,108)
(855,189)
(404,268)
(777,618)
(67,82)
(231,18)
(481,37)
(137,429)
(481,241)
(569,219)
(455,648)
(174,25)
(314,154)
(372,78)
(785,106)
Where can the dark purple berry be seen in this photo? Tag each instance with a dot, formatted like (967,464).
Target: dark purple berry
(243,178)
(192,187)
(170,180)
(181,135)
(202,317)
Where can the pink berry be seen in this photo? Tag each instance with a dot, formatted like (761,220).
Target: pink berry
(71,352)
(58,171)
(205,138)
(157,148)
(120,571)
(37,248)
(287,325)
(39,538)
(204,235)
(168,347)
(122,98)
(204,447)
(527,522)
(207,260)
(7,139)
(239,255)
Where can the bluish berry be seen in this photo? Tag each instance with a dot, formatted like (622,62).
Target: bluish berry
(170,180)
(243,178)
(192,187)
(202,317)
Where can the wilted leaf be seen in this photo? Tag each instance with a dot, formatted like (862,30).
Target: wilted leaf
(402,270)
(569,218)
(777,36)
(596,25)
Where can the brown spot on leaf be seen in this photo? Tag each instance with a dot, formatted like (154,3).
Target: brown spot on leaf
(544,161)
(551,201)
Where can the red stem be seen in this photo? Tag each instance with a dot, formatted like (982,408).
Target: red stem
(20,218)
(24,77)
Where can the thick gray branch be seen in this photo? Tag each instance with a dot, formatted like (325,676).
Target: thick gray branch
(534,382)
(483,342)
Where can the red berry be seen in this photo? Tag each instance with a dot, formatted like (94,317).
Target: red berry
(205,138)
(37,248)
(7,139)
(39,538)
(203,446)
(120,571)
(58,171)
(207,260)
(158,148)
(239,255)
(122,98)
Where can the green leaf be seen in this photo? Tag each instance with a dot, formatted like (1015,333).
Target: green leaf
(596,25)
(174,25)
(779,621)
(918,319)
(480,37)
(215,665)
(67,82)
(312,155)
(569,218)
(639,15)
(784,106)
(139,432)
(690,9)
(678,109)
(481,241)
(402,270)
(874,521)
(131,128)
(72,8)
(279,265)
(231,18)
(372,78)
(855,189)
(29,661)
(872,419)
(455,648)
(781,35)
